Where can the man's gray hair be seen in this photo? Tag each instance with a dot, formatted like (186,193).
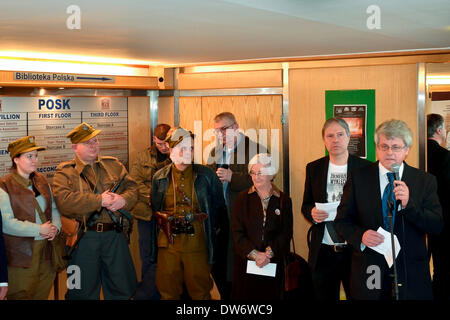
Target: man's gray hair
(225,115)
(394,129)
(337,120)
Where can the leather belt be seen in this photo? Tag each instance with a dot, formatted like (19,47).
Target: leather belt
(101,227)
(338,248)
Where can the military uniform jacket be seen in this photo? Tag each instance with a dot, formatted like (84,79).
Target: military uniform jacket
(209,194)
(142,171)
(73,181)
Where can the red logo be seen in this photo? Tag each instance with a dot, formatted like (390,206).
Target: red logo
(106,104)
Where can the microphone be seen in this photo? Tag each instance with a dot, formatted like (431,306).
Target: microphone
(222,165)
(396,171)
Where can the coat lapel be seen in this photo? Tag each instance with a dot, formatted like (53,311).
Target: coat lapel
(373,183)
(406,177)
(323,179)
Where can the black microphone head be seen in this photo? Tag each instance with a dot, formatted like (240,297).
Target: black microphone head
(222,165)
(396,170)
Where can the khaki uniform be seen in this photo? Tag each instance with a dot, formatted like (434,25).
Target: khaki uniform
(186,260)
(32,283)
(75,182)
(77,189)
(144,167)
(142,171)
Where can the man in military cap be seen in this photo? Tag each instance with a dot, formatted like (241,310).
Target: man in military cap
(82,190)
(144,167)
(187,202)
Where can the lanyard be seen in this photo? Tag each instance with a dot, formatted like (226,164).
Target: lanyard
(175,189)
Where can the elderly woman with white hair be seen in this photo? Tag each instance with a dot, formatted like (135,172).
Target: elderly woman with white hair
(261,223)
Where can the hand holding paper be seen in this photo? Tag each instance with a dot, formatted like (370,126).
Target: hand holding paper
(330,208)
(268,270)
(385,247)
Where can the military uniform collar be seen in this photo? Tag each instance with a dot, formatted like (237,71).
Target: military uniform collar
(187,171)
(80,164)
(153,150)
(21,180)
(275,190)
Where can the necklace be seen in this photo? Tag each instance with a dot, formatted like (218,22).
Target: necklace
(265,198)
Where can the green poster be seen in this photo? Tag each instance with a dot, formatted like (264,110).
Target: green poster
(357,108)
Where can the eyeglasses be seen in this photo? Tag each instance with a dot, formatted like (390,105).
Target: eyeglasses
(224,129)
(255,174)
(394,148)
(91,142)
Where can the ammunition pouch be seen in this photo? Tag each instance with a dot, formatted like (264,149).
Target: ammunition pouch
(173,226)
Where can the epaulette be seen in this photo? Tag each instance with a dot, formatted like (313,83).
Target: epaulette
(108,158)
(66,164)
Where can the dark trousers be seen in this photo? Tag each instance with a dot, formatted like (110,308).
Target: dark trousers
(441,265)
(103,259)
(146,289)
(331,268)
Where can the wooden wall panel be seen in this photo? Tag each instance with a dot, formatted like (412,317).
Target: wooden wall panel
(139,139)
(239,79)
(395,97)
(138,125)
(258,112)
(166,110)
(190,111)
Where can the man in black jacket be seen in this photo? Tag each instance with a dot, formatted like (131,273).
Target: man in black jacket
(229,159)
(329,255)
(369,194)
(438,164)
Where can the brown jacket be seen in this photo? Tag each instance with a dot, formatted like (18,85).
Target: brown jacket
(73,194)
(19,250)
(142,170)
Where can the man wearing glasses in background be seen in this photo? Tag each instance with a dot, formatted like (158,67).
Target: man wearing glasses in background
(364,209)
(229,159)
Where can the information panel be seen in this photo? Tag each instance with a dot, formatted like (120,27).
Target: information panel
(50,119)
(357,107)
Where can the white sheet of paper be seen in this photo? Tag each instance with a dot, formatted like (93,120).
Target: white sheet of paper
(268,270)
(330,208)
(385,248)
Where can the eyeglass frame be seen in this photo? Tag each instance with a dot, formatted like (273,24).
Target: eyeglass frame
(91,142)
(253,174)
(224,129)
(394,148)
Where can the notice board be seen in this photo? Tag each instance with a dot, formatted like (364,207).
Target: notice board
(50,119)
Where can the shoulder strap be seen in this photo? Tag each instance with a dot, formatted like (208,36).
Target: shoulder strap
(282,197)
(41,213)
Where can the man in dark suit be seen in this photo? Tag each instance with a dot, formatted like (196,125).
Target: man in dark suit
(329,255)
(364,208)
(229,159)
(438,164)
(3,265)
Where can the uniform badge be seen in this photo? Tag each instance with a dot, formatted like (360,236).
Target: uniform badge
(85,127)
(277,212)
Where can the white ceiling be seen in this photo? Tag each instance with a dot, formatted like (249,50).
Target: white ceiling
(179,32)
